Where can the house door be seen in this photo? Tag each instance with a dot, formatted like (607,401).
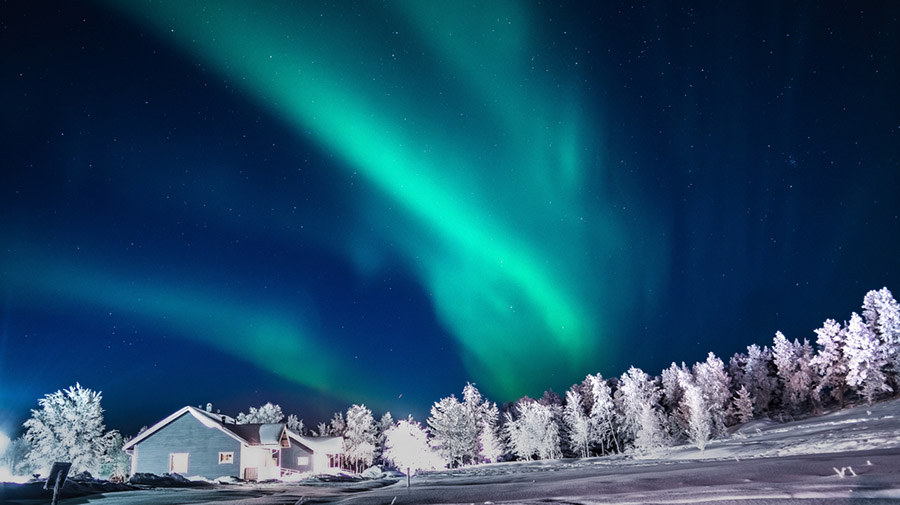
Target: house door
(251,473)
(178,462)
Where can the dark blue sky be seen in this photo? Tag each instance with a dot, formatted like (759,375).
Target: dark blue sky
(376,202)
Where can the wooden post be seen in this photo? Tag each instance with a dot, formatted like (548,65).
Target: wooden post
(407,476)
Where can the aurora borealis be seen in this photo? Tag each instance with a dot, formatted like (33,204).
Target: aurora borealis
(373,202)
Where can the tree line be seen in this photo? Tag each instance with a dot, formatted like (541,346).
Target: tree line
(853,361)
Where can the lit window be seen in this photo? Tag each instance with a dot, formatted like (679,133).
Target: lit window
(226,457)
(303,461)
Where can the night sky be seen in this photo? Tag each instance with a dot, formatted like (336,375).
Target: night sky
(326,203)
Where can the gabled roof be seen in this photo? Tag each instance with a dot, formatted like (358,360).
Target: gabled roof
(265,435)
(324,445)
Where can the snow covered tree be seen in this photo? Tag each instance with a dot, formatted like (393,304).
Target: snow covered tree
(638,401)
(385,423)
(451,430)
(67,427)
(295,424)
(830,362)
(267,414)
(338,426)
(534,431)
(696,411)
(743,406)
(757,378)
(712,380)
(116,464)
(792,360)
(865,360)
(671,400)
(603,415)
(578,424)
(359,437)
(15,457)
(490,442)
(477,410)
(406,447)
(881,313)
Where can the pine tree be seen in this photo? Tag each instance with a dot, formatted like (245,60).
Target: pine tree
(881,313)
(696,410)
(743,405)
(830,362)
(491,444)
(792,360)
(68,427)
(476,409)
(712,380)
(359,437)
(578,424)
(865,360)
(385,423)
(671,400)
(759,381)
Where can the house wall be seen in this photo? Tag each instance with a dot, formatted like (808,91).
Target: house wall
(289,458)
(187,434)
(263,462)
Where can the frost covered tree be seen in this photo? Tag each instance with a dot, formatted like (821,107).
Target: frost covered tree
(881,313)
(385,423)
(671,400)
(116,464)
(830,362)
(743,406)
(696,411)
(68,426)
(295,424)
(267,414)
(533,432)
(489,440)
(865,360)
(15,457)
(337,426)
(359,437)
(578,424)
(641,419)
(406,447)
(477,412)
(713,382)
(603,415)
(451,430)
(792,360)
(757,378)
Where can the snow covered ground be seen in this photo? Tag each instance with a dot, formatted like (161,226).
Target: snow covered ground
(850,456)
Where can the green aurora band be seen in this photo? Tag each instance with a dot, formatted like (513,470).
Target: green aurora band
(484,159)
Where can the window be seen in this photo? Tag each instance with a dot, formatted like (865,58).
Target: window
(226,458)
(178,462)
(303,461)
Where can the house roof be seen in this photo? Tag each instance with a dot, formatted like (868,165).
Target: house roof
(324,445)
(260,435)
